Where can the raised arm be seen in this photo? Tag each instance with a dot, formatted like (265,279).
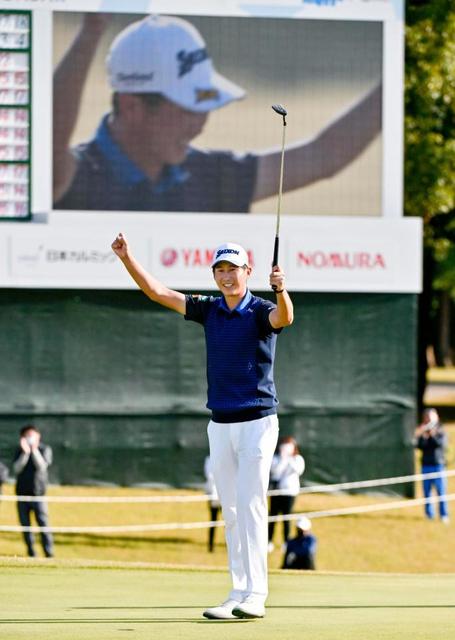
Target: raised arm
(21,460)
(283,314)
(42,461)
(69,80)
(327,153)
(152,287)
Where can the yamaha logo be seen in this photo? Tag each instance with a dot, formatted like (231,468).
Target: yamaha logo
(189,257)
(169,257)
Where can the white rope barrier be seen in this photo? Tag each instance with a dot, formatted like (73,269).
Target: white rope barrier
(367,508)
(108,499)
(321,488)
(384,506)
(364,484)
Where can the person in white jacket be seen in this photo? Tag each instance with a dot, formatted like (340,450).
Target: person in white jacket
(214,503)
(287,467)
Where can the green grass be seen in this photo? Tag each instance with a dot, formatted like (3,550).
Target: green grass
(441,375)
(400,541)
(106,596)
(440,391)
(70,603)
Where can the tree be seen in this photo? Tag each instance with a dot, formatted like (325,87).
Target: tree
(430,160)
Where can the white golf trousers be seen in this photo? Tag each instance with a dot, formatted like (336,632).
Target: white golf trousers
(241,455)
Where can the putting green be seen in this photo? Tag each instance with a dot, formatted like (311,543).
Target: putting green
(84,603)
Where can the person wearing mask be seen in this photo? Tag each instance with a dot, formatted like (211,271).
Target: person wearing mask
(214,503)
(287,467)
(3,475)
(31,462)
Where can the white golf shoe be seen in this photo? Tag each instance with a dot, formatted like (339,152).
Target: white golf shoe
(249,609)
(222,612)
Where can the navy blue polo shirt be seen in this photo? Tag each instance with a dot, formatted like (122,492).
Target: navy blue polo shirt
(240,356)
(106,179)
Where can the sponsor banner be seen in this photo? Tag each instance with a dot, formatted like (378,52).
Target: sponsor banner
(60,257)
(59,260)
(317,254)
(346,260)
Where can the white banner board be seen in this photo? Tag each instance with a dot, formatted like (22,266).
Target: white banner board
(317,254)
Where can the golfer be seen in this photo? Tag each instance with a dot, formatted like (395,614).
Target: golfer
(164,88)
(240,331)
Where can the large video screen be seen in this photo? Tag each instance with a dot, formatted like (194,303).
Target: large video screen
(173,113)
(154,118)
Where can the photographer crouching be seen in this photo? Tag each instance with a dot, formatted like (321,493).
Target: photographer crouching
(431,439)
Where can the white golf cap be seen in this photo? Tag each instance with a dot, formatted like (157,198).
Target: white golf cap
(303,523)
(230,252)
(166,55)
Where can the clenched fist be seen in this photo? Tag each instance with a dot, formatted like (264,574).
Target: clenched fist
(120,247)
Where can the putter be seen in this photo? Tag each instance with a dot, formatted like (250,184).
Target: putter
(280,110)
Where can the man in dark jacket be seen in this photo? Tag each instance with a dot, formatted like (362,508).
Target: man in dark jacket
(431,439)
(3,475)
(31,462)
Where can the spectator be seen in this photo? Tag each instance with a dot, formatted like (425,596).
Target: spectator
(3,475)
(214,503)
(301,551)
(431,439)
(287,467)
(31,462)
(164,87)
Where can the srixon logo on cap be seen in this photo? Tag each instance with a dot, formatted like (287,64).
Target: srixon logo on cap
(188,59)
(221,252)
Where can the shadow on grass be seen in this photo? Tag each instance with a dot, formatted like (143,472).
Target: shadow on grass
(198,620)
(286,606)
(116,621)
(96,620)
(94,540)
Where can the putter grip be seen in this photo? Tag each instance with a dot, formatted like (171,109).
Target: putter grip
(275,255)
(275,251)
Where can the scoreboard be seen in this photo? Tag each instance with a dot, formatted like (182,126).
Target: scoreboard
(15,114)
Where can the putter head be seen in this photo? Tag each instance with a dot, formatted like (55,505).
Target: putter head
(278,108)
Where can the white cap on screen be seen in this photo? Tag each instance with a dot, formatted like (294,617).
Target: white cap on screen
(166,55)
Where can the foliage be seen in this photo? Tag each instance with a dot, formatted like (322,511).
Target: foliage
(430,130)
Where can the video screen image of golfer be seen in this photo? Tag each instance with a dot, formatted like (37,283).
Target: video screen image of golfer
(164,113)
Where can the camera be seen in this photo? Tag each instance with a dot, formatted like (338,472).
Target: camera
(433,424)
